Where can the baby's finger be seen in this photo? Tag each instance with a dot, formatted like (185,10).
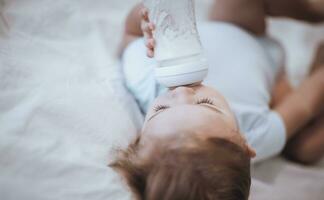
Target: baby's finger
(147,36)
(150,53)
(146,28)
(151,26)
(150,43)
(144,13)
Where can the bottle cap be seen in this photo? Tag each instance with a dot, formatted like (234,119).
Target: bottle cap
(184,71)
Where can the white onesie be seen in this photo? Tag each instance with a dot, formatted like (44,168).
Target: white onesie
(242,67)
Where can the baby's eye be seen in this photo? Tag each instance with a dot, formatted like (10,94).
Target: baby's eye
(160,107)
(205,101)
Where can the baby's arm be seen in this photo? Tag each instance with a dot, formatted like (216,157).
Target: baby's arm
(307,10)
(132,29)
(303,104)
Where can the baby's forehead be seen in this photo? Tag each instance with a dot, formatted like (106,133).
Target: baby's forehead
(174,121)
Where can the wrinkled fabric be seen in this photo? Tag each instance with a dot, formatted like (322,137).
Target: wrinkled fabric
(63,106)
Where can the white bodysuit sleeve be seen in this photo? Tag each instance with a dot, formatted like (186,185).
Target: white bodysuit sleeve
(138,71)
(267,135)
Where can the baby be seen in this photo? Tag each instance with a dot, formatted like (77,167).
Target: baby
(197,142)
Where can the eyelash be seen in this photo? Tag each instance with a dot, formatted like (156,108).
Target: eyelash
(205,101)
(200,101)
(160,107)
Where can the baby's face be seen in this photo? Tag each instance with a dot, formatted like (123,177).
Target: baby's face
(199,110)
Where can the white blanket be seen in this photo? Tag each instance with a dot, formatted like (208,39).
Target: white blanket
(63,108)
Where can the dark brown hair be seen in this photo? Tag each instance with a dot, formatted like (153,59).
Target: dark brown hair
(212,169)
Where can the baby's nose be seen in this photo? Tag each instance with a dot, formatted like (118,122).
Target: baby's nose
(184,94)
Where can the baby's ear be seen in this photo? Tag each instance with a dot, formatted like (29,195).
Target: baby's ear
(251,151)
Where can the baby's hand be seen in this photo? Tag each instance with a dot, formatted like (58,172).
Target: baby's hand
(148,28)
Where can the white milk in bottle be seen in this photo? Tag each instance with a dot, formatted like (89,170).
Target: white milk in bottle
(178,49)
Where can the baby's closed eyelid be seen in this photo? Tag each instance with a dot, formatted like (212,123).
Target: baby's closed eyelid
(205,100)
(160,107)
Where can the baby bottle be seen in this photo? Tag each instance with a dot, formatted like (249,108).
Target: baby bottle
(178,48)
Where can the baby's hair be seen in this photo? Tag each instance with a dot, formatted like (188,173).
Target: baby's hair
(212,169)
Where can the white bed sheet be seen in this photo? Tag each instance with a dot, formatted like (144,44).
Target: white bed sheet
(63,107)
